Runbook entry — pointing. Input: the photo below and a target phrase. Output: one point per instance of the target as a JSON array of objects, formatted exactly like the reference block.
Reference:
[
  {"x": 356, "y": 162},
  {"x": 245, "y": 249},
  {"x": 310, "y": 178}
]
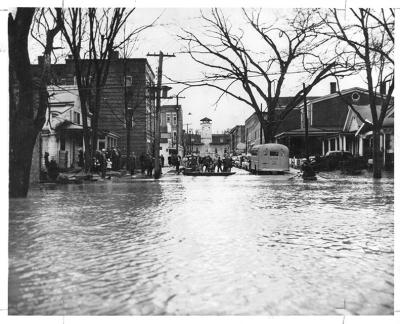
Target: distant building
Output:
[
  {"x": 171, "y": 128},
  {"x": 253, "y": 131},
  {"x": 210, "y": 144},
  {"x": 238, "y": 139}
]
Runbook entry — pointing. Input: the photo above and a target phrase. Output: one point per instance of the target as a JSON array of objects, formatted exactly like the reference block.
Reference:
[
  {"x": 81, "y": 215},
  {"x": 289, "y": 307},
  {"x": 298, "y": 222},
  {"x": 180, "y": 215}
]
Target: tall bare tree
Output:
[
  {"x": 366, "y": 44},
  {"x": 93, "y": 35},
  {"x": 262, "y": 64},
  {"x": 27, "y": 93}
]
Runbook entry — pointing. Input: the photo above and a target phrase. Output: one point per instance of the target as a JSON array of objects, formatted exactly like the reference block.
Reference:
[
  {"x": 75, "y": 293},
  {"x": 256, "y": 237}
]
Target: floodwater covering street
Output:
[{"x": 244, "y": 244}]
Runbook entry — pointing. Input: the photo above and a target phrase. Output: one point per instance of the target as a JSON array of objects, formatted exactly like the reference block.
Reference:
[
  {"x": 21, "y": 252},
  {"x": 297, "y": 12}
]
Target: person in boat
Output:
[
  {"x": 228, "y": 164},
  {"x": 201, "y": 163},
  {"x": 219, "y": 164},
  {"x": 308, "y": 171},
  {"x": 210, "y": 164}
]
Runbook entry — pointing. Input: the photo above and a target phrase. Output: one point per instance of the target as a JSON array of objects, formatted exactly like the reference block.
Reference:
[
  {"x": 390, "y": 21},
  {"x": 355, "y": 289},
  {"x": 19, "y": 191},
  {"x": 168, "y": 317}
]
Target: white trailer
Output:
[{"x": 269, "y": 158}]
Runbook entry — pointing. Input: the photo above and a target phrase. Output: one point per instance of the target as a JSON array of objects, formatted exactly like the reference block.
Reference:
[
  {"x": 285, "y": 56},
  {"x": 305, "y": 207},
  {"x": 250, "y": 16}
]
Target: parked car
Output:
[{"x": 333, "y": 159}]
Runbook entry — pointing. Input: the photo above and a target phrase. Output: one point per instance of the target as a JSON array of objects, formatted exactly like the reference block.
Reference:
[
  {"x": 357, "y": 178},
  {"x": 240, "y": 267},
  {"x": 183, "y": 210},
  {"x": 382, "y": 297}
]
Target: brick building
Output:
[{"x": 127, "y": 93}]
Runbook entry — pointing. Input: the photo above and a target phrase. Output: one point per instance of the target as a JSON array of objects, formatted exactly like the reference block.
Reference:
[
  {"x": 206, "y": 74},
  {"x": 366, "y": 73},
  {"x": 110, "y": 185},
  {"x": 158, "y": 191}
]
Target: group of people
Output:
[
  {"x": 147, "y": 163},
  {"x": 209, "y": 164},
  {"x": 106, "y": 159}
]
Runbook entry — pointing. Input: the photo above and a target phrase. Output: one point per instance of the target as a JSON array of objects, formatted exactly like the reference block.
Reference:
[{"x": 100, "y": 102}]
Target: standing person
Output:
[
  {"x": 46, "y": 159},
  {"x": 162, "y": 160},
  {"x": 142, "y": 161},
  {"x": 219, "y": 164},
  {"x": 113, "y": 158},
  {"x": 103, "y": 163},
  {"x": 224, "y": 164},
  {"x": 52, "y": 170},
  {"x": 132, "y": 163},
  {"x": 152, "y": 164},
  {"x": 80, "y": 158},
  {"x": 178, "y": 163},
  {"x": 118, "y": 158}
]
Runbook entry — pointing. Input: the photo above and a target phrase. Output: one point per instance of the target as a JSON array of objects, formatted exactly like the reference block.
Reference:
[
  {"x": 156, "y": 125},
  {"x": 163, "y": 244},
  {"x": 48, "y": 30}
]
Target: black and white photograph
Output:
[{"x": 216, "y": 159}]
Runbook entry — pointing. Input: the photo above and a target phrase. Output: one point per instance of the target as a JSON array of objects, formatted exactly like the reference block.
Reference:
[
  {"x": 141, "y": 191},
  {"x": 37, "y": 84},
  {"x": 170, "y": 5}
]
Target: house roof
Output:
[
  {"x": 365, "y": 112},
  {"x": 206, "y": 119},
  {"x": 343, "y": 92},
  {"x": 312, "y": 131}
]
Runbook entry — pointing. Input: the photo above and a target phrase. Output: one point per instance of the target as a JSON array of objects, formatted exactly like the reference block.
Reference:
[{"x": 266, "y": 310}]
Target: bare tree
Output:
[
  {"x": 262, "y": 70},
  {"x": 93, "y": 35},
  {"x": 27, "y": 93},
  {"x": 366, "y": 44}
]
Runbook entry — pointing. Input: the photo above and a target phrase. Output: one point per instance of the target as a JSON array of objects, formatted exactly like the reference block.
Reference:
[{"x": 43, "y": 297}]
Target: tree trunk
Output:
[
  {"x": 376, "y": 154},
  {"x": 23, "y": 136}
]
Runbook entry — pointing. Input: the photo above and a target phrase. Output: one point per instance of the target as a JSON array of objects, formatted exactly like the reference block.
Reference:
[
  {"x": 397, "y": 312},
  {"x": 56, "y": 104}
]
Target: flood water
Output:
[{"x": 244, "y": 244}]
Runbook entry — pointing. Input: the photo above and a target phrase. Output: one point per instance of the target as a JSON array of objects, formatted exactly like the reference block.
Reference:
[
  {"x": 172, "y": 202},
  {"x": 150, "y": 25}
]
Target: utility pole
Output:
[
  {"x": 261, "y": 124},
  {"x": 157, "y": 169},
  {"x": 305, "y": 120},
  {"x": 177, "y": 122},
  {"x": 187, "y": 136}
]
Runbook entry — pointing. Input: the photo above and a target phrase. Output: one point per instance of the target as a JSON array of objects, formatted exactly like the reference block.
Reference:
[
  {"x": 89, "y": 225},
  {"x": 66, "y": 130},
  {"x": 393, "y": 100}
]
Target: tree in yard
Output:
[
  {"x": 365, "y": 42},
  {"x": 259, "y": 58},
  {"x": 27, "y": 93}
]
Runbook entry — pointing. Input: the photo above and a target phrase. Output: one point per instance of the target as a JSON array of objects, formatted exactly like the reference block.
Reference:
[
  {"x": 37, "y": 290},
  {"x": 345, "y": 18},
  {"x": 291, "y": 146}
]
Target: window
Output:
[
  {"x": 175, "y": 119},
  {"x": 221, "y": 140},
  {"x": 168, "y": 118},
  {"x": 273, "y": 153},
  {"x": 128, "y": 80},
  {"x": 174, "y": 137},
  {"x": 77, "y": 118}
]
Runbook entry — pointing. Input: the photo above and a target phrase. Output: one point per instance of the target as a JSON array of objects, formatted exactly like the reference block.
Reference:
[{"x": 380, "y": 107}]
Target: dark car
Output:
[{"x": 334, "y": 159}]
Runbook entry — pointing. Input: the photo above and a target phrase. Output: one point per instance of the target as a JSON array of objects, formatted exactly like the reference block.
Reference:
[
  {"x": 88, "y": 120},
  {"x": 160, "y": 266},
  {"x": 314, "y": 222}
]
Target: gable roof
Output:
[
  {"x": 343, "y": 92},
  {"x": 365, "y": 112}
]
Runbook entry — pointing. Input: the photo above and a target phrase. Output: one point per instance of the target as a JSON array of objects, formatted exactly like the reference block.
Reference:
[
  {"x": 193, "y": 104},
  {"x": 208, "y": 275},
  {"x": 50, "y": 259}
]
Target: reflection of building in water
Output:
[{"x": 207, "y": 143}]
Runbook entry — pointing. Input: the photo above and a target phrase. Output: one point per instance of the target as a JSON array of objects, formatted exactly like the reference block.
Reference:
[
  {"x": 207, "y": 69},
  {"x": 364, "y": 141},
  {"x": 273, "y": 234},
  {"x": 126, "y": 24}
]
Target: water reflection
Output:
[{"x": 236, "y": 245}]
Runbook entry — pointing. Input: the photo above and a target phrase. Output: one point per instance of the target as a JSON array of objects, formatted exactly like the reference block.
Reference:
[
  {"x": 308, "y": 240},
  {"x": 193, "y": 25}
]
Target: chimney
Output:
[
  {"x": 383, "y": 88},
  {"x": 333, "y": 87}
]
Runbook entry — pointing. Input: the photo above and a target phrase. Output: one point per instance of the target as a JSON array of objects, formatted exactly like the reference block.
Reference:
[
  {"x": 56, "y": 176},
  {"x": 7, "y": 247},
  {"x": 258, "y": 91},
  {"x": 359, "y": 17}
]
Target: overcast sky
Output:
[{"x": 198, "y": 102}]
